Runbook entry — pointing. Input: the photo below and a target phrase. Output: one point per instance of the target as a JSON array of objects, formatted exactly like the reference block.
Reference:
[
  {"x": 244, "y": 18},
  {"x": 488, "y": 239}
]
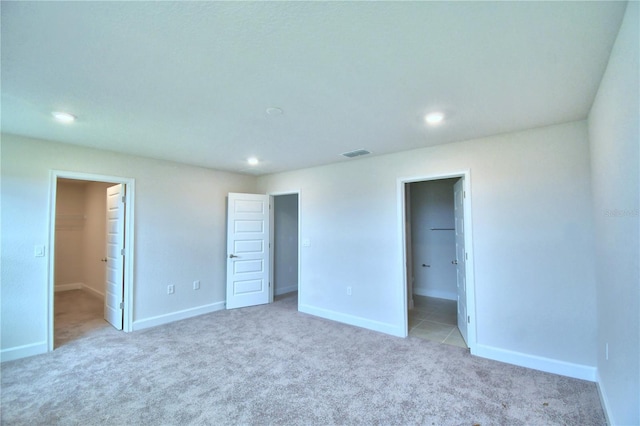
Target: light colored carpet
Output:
[{"x": 273, "y": 365}]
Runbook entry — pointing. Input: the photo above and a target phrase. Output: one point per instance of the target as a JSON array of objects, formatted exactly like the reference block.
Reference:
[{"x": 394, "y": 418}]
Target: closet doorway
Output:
[
  {"x": 437, "y": 242},
  {"x": 285, "y": 245},
  {"x": 91, "y": 235}
]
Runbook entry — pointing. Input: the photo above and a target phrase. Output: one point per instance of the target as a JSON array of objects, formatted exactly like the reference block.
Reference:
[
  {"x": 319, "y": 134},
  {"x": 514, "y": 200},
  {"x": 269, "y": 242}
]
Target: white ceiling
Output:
[{"x": 191, "y": 81}]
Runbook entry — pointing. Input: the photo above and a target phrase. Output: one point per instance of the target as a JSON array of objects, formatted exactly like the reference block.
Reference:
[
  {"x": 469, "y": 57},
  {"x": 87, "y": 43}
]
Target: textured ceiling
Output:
[{"x": 190, "y": 81}]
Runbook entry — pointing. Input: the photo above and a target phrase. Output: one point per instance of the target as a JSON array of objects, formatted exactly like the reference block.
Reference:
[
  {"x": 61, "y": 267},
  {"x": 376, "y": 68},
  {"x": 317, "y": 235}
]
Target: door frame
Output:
[
  {"x": 272, "y": 239},
  {"x": 129, "y": 184},
  {"x": 468, "y": 242}
]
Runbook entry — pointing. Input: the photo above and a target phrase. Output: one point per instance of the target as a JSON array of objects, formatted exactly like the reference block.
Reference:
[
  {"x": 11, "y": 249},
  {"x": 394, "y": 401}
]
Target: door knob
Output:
[
  {"x": 454, "y": 262},
  {"x": 231, "y": 256},
  {"x": 103, "y": 259}
]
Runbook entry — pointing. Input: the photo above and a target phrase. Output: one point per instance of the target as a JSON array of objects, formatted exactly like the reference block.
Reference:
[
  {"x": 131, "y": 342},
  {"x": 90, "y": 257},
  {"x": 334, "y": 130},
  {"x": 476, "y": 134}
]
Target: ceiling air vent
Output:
[{"x": 356, "y": 153}]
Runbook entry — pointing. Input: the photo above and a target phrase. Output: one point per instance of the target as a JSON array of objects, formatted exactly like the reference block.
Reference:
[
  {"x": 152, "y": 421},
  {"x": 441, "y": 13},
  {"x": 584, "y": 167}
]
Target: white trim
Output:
[
  {"x": 78, "y": 286},
  {"x": 298, "y": 192},
  {"x": 382, "y": 327},
  {"x": 438, "y": 294},
  {"x": 177, "y": 316},
  {"x": 92, "y": 291},
  {"x": 272, "y": 247},
  {"x": 129, "y": 183},
  {"x": 604, "y": 400},
  {"x": 278, "y": 193},
  {"x": 549, "y": 365},
  {"x": 23, "y": 351},
  {"x": 68, "y": 287},
  {"x": 468, "y": 242}
]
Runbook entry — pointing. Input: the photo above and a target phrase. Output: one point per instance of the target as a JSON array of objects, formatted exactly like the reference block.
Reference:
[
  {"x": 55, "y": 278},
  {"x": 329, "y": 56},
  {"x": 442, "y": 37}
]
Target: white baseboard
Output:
[
  {"x": 549, "y": 365},
  {"x": 353, "y": 320},
  {"x": 286, "y": 289},
  {"x": 604, "y": 400},
  {"x": 93, "y": 291},
  {"x": 177, "y": 316},
  {"x": 439, "y": 294},
  {"x": 23, "y": 351},
  {"x": 67, "y": 287}
]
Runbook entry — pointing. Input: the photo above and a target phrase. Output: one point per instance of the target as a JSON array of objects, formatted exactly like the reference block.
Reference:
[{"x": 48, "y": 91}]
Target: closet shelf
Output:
[{"x": 71, "y": 217}]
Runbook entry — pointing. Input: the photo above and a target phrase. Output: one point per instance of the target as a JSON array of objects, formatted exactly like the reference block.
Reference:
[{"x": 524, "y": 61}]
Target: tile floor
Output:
[{"x": 435, "y": 319}]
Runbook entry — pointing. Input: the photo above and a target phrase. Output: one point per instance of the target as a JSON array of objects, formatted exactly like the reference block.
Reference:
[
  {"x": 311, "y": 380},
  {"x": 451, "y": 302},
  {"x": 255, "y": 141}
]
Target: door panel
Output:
[
  {"x": 458, "y": 191},
  {"x": 247, "y": 266},
  {"x": 250, "y": 246},
  {"x": 114, "y": 280},
  {"x": 248, "y": 260},
  {"x": 249, "y": 286}
]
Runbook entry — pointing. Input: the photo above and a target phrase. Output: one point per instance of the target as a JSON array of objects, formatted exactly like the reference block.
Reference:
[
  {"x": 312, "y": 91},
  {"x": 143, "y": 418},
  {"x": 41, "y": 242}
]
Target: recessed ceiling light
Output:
[
  {"x": 434, "y": 118},
  {"x": 63, "y": 117},
  {"x": 356, "y": 153},
  {"x": 274, "y": 111},
  {"x": 253, "y": 161}
]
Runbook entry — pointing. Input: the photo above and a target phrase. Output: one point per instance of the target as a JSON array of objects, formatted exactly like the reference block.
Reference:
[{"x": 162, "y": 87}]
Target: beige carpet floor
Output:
[{"x": 271, "y": 364}]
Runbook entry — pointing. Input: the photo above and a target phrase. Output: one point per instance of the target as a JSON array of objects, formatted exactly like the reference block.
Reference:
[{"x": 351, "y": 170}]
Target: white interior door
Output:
[
  {"x": 114, "y": 285},
  {"x": 248, "y": 262},
  {"x": 458, "y": 191}
]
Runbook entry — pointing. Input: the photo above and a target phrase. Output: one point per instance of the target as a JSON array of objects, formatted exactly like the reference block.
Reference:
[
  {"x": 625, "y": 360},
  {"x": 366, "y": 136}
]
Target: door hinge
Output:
[
  {"x": 121, "y": 305},
  {"x": 121, "y": 252},
  {"x": 468, "y": 319},
  {"x": 466, "y": 256},
  {"x": 464, "y": 194},
  {"x": 124, "y": 199}
]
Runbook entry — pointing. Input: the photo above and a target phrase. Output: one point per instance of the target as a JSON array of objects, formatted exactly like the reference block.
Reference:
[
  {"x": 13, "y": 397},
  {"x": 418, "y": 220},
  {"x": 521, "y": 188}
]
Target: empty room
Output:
[{"x": 320, "y": 213}]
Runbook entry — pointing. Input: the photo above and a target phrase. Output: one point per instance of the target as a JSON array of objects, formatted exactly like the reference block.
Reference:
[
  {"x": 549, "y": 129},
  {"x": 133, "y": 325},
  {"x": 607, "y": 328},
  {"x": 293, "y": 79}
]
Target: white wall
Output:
[
  {"x": 432, "y": 207},
  {"x": 535, "y": 290},
  {"x": 531, "y": 219},
  {"x": 285, "y": 243},
  {"x": 179, "y": 237},
  {"x": 614, "y": 140}
]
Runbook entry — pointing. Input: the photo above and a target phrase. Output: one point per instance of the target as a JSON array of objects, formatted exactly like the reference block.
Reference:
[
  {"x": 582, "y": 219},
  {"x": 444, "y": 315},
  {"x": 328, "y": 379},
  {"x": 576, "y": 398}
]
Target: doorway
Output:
[
  {"x": 257, "y": 274},
  {"x": 285, "y": 245},
  {"x": 437, "y": 254},
  {"x": 79, "y": 289}
]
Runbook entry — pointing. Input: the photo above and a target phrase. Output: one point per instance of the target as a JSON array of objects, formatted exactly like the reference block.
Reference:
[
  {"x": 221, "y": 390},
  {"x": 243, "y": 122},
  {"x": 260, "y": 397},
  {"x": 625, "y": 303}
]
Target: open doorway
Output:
[
  {"x": 285, "y": 246},
  {"x": 91, "y": 235},
  {"x": 80, "y": 258},
  {"x": 437, "y": 242},
  {"x": 256, "y": 274}
]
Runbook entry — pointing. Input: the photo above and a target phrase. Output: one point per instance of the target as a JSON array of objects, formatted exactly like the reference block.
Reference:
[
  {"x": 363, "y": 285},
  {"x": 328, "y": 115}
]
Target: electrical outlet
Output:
[
  {"x": 349, "y": 291},
  {"x": 171, "y": 289},
  {"x": 196, "y": 285}
]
